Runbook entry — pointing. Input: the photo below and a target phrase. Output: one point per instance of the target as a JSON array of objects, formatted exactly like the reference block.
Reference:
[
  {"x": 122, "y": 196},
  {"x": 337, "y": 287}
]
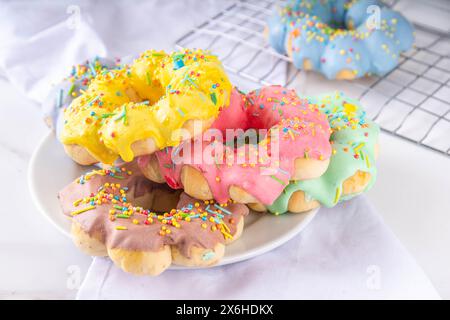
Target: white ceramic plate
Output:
[{"x": 51, "y": 169}]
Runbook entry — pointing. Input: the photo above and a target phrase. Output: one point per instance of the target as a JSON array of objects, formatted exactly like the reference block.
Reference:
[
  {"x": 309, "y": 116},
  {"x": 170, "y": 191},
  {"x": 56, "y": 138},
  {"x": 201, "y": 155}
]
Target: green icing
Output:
[{"x": 353, "y": 141}]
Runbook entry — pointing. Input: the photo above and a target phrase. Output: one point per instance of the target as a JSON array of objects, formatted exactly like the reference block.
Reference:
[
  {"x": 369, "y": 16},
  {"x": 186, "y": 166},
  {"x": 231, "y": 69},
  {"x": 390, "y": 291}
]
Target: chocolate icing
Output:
[{"x": 138, "y": 235}]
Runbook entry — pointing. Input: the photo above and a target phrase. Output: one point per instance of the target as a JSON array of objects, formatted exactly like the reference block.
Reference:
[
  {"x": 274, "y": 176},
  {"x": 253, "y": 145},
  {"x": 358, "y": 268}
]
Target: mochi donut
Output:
[
  {"x": 144, "y": 227},
  {"x": 63, "y": 93},
  {"x": 303, "y": 150},
  {"x": 141, "y": 107},
  {"x": 352, "y": 167},
  {"x": 340, "y": 38}
]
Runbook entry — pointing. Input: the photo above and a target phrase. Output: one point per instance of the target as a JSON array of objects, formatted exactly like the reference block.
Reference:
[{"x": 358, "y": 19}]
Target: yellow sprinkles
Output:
[{"x": 77, "y": 212}]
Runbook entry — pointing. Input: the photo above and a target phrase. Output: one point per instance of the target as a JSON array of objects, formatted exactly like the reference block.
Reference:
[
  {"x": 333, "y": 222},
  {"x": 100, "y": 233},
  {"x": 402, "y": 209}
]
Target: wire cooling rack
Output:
[{"x": 411, "y": 102}]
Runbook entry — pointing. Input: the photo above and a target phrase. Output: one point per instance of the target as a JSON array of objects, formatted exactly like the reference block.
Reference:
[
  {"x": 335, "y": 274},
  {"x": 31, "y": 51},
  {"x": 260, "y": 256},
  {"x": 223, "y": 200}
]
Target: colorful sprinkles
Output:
[
  {"x": 317, "y": 39},
  {"x": 115, "y": 195}
]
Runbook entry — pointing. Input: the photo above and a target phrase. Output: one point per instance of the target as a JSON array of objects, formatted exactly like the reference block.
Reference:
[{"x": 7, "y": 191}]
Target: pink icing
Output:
[
  {"x": 304, "y": 130},
  {"x": 142, "y": 236}
]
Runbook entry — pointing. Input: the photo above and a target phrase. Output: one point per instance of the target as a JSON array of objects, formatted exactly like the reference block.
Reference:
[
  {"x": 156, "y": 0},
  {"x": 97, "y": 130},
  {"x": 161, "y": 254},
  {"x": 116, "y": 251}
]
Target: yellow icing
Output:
[{"x": 151, "y": 98}]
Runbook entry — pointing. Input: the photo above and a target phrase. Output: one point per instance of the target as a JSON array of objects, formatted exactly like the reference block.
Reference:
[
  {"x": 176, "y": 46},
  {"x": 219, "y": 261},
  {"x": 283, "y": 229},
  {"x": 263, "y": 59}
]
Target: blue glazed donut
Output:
[
  {"x": 62, "y": 94},
  {"x": 343, "y": 39}
]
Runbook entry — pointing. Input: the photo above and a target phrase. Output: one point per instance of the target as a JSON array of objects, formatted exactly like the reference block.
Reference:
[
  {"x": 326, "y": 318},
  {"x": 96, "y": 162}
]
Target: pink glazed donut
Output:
[{"x": 290, "y": 142}]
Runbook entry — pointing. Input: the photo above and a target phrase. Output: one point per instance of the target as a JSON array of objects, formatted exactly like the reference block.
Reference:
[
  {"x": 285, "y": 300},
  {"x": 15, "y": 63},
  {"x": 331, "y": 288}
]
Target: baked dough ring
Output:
[{"x": 339, "y": 38}]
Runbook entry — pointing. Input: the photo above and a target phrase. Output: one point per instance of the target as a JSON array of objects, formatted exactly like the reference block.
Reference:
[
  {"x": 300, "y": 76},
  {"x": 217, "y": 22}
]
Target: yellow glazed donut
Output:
[
  {"x": 144, "y": 227},
  {"x": 140, "y": 108}
]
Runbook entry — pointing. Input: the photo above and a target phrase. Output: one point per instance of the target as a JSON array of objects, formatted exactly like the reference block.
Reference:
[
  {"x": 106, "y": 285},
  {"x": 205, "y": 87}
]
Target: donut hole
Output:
[
  {"x": 250, "y": 131},
  {"x": 339, "y": 26},
  {"x": 157, "y": 198},
  {"x": 165, "y": 200}
]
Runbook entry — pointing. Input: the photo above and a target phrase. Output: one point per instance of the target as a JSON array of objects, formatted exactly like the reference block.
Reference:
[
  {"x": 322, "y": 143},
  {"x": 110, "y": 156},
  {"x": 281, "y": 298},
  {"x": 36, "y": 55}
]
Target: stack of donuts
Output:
[{"x": 181, "y": 155}]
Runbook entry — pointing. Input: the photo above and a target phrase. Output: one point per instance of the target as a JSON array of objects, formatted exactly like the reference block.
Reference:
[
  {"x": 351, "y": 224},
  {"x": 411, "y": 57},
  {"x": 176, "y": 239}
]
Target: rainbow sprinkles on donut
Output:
[
  {"x": 112, "y": 215},
  {"x": 342, "y": 39}
]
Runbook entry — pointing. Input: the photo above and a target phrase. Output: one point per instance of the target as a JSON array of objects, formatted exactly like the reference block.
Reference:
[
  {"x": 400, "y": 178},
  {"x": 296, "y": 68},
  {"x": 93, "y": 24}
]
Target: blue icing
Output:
[
  {"x": 309, "y": 43},
  {"x": 385, "y": 59},
  {"x": 282, "y": 17},
  {"x": 60, "y": 96},
  {"x": 319, "y": 8},
  {"x": 277, "y": 32},
  {"x": 384, "y": 50},
  {"x": 338, "y": 12},
  {"x": 319, "y": 32},
  {"x": 403, "y": 31}
]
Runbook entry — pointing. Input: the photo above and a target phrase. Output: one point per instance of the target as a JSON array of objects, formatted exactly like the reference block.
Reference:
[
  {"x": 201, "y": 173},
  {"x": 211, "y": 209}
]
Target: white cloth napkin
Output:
[
  {"x": 345, "y": 253},
  {"x": 41, "y": 41},
  {"x": 41, "y": 49}
]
